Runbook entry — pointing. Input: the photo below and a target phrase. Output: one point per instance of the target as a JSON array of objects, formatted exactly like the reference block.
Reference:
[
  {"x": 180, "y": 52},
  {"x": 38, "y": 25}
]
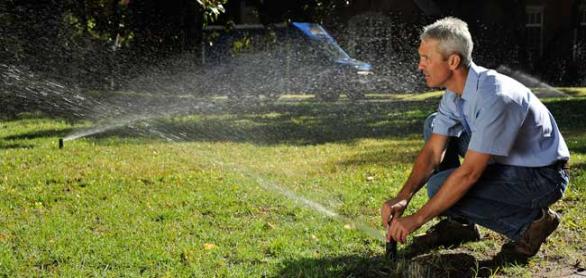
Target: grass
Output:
[{"x": 211, "y": 203}]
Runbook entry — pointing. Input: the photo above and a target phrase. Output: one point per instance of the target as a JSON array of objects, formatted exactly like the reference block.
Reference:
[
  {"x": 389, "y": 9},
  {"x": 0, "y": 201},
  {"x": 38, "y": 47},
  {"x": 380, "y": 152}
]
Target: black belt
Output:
[{"x": 560, "y": 164}]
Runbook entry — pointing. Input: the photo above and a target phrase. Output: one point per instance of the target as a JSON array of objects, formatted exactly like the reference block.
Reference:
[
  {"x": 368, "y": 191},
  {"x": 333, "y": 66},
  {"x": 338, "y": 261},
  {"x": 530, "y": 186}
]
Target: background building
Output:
[{"x": 546, "y": 38}]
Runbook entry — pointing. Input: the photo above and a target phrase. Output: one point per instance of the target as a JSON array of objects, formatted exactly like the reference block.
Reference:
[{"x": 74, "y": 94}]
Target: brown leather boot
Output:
[
  {"x": 532, "y": 238},
  {"x": 447, "y": 232}
]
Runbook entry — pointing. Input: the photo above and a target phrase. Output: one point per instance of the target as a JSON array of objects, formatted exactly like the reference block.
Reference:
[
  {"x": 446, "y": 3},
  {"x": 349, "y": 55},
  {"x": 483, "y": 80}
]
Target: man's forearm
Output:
[
  {"x": 422, "y": 170},
  {"x": 455, "y": 186}
]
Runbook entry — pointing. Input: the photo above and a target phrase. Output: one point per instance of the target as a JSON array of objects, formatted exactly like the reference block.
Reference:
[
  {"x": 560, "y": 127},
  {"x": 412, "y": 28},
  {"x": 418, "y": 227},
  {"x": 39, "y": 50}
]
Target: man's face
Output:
[{"x": 433, "y": 65}]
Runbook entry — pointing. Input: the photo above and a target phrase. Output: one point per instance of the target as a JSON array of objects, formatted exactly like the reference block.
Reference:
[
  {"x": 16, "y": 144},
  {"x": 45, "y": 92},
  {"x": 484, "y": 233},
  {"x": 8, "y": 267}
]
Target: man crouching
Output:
[{"x": 515, "y": 158}]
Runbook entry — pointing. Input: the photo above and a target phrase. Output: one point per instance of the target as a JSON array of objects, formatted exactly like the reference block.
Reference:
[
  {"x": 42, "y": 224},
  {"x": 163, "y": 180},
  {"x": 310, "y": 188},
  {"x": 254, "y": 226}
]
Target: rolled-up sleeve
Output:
[
  {"x": 497, "y": 126},
  {"x": 446, "y": 122}
]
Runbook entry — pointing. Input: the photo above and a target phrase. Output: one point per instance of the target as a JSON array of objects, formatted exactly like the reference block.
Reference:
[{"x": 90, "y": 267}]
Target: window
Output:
[{"x": 534, "y": 31}]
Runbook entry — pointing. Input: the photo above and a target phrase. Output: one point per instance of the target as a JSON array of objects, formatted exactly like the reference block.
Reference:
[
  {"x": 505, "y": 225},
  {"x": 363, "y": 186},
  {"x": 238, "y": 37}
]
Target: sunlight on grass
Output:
[
  {"x": 127, "y": 203},
  {"x": 575, "y": 92}
]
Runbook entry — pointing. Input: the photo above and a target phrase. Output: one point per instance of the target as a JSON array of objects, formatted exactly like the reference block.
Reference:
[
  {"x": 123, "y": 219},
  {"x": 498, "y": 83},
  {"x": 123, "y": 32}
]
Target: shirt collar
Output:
[{"x": 471, "y": 85}]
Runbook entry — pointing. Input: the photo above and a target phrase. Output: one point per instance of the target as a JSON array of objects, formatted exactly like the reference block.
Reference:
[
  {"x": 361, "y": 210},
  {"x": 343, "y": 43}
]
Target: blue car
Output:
[
  {"x": 302, "y": 58},
  {"x": 348, "y": 75}
]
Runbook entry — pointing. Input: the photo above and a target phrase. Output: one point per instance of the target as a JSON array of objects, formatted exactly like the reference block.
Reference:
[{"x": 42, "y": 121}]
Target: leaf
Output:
[{"x": 209, "y": 246}]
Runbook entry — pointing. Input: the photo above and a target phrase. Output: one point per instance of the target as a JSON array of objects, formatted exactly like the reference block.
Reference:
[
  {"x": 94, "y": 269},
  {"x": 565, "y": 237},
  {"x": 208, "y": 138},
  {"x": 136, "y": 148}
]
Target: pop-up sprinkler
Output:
[
  {"x": 391, "y": 250},
  {"x": 61, "y": 143},
  {"x": 391, "y": 247}
]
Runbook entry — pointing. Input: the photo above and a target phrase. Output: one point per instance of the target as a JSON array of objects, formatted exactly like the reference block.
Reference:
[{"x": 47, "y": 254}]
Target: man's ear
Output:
[{"x": 454, "y": 61}]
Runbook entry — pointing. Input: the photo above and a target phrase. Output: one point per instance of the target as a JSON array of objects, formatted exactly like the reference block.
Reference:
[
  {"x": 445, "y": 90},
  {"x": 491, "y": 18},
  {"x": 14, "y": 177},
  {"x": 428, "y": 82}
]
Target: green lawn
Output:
[{"x": 286, "y": 189}]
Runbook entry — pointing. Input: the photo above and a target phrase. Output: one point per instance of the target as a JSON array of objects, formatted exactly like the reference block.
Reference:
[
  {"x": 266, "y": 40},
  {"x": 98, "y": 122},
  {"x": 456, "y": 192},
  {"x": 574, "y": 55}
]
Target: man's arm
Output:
[
  {"x": 453, "y": 189},
  {"x": 427, "y": 160}
]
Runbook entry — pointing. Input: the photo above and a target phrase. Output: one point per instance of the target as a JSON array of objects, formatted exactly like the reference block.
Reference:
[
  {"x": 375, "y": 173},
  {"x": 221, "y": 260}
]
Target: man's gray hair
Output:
[{"x": 453, "y": 37}]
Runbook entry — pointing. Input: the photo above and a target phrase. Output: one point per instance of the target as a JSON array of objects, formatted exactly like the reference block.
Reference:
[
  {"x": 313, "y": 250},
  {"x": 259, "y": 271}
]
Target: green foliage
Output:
[
  {"x": 241, "y": 44},
  {"x": 212, "y": 9}
]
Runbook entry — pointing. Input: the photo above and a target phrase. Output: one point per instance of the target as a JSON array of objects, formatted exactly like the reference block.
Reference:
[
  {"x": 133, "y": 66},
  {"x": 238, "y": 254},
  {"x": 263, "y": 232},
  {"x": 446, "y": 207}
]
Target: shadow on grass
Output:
[
  {"x": 289, "y": 123},
  {"x": 578, "y": 149},
  {"x": 300, "y": 122},
  {"x": 569, "y": 113},
  {"x": 402, "y": 152},
  {"x": 310, "y": 122},
  {"x": 40, "y": 134},
  {"x": 454, "y": 264},
  {"x": 344, "y": 266},
  {"x": 15, "y": 146},
  {"x": 577, "y": 169}
]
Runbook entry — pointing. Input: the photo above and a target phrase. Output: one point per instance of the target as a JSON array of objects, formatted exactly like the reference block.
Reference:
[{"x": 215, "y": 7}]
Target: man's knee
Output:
[
  {"x": 428, "y": 126},
  {"x": 432, "y": 188},
  {"x": 436, "y": 181}
]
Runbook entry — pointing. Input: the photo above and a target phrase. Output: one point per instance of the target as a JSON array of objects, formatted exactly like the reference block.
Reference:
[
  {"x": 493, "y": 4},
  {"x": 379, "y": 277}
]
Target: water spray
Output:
[
  {"x": 539, "y": 88},
  {"x": 307, "y": 203}
]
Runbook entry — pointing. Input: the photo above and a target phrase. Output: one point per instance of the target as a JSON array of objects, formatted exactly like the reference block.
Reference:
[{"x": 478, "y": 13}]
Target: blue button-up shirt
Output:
[{"x": 504, "y": 118}]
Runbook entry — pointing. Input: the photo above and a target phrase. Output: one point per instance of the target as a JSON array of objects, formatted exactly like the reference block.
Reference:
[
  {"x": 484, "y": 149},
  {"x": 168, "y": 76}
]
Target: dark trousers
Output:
[{"x": 506, "y": 199}]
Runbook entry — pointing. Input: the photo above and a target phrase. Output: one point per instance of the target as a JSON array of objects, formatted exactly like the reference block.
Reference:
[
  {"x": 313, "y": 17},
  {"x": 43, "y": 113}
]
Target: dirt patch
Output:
[
  {"x": 446, "y": 263},
  {"x": 465, "y": 263}
]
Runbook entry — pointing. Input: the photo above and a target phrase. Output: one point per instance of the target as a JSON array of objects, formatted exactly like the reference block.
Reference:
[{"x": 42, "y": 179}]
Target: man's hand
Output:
[
  {"x": 392, "y": 208},
  {"x": 401, "y": 227}
]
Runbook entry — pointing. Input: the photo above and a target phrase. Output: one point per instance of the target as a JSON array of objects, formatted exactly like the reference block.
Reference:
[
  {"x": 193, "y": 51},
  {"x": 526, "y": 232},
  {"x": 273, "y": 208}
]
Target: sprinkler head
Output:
[
  {"x": 61, "y": 143},
  {"x": 391, "y": 251}
]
